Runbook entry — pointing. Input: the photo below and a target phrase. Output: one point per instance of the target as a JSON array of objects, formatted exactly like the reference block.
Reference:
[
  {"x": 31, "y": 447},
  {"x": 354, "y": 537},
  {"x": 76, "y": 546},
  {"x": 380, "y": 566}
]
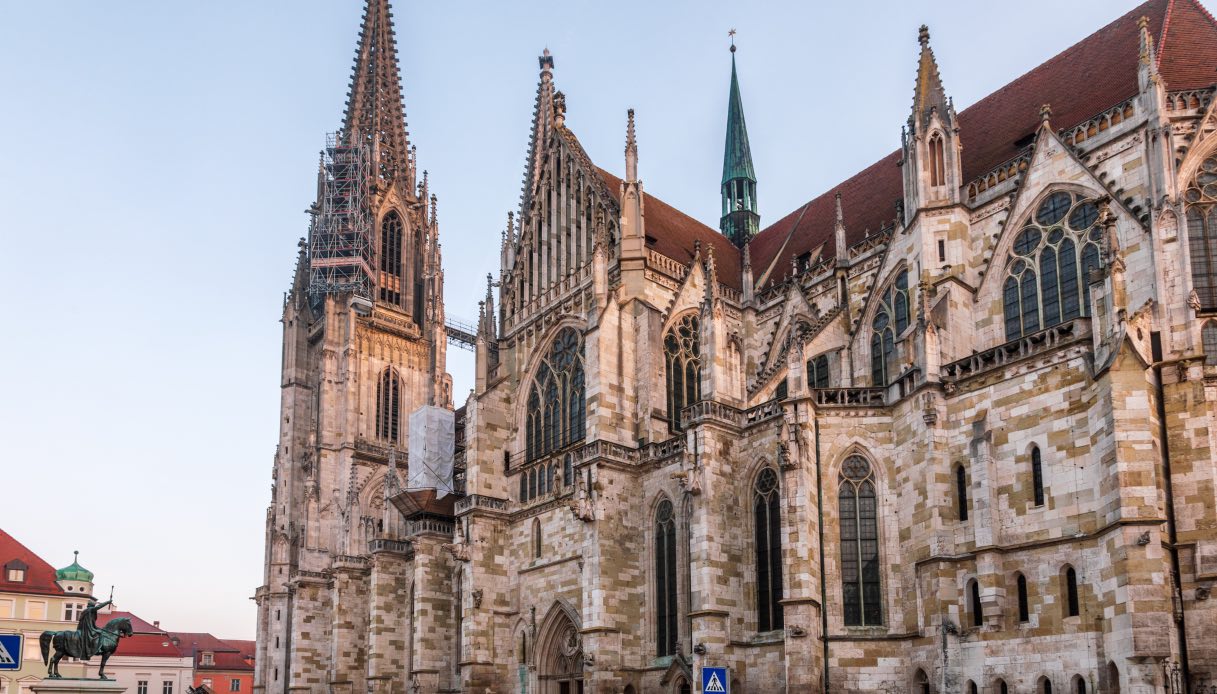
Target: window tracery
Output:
[
  {"x": 665, "y": 580},
  {"x": 682, "y": 357},
  {"x": 1201, "y": 199},
  {"x": 557, "y": 408},
  {"x": 1046, "y": 280},
  {"x": 390, "y": 258},
  {"x": 817, "y": 372},
  {"x": 890, "y": 321},
  {"x": 388, "y": 406},
  {"x": 858, "y": 509},
  {"x": 767, "y": 522}
]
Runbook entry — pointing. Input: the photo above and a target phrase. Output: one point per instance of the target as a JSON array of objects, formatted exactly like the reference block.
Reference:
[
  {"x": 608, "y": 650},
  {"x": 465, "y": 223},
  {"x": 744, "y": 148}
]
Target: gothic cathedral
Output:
[{"x": 948, "y": 427}]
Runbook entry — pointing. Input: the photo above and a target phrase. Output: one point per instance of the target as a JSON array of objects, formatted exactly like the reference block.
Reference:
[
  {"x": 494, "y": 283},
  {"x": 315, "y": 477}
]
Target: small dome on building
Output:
[{"x": 75, "y": 572}]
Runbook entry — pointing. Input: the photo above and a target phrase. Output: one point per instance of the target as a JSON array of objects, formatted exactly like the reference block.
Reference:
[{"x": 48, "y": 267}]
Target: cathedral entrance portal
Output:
[{"x": 560, "y": 654}]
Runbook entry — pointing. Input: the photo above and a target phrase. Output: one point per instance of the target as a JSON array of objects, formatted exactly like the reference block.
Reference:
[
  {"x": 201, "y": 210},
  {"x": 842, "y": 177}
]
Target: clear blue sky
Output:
[{"x": 160, "y": 156}]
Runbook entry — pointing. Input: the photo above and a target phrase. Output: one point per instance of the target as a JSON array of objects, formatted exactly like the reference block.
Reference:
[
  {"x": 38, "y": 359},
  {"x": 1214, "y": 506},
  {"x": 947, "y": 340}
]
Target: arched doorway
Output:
[{"x": 559, "y": 652}]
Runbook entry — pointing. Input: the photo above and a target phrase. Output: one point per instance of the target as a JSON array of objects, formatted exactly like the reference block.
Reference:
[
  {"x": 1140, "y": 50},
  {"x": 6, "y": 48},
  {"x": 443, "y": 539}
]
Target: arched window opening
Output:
[
  {"x": 921, "y": 682},
  {"x": 682, "y": 357},
  {"x": 1024, "y": 606},
  {"x": 665, "y": 580},
  {"x": 767, "y": 523},
  {"x": 961, "y": 492},
  {"x": 972, "y": 687},
  {"x": 1044, "y": 686},
  {"x": 1037, "y": 476},
  {"x": 523, "y": 487},
  {"x": 388, "y": 406},
  {"x": 556, "y": 410},
  {"x": 1071, "y": 593},
  {"x": 1201, "y": 198},
  {"x": 1079, "y": 684},
  {"x": 1113, "y": 678},
  {"x": 536, "y": 538},
  {"x": 891, "y": 319},
  {"x": 974, "y": 606},
  {"x": 390, "y": 258},
  {"x": 1000, "y": 687},
  {"x": 858, "y": 509},
  {"x": 568, "y": 470},
  {"x": 419, "y": 286},
  {"x": 937, "y": 165},
  {"x": 817, "y": 372},
  {"x": 1046, "y": 281},
  {"x": 1208, "y": 338}
]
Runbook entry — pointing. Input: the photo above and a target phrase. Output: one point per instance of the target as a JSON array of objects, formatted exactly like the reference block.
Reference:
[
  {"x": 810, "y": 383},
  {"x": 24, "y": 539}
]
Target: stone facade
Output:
[{"x": 978, "y": 488}]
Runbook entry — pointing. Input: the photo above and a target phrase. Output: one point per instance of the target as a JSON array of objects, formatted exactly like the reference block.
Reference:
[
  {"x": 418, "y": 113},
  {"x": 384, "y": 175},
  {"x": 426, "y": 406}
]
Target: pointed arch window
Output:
[
  {"x": 817, "y": 372},
  {"x": 767, "y": 522},
  {"x": 1037, "y": 476},
  {"x": 974, "y": 606},
  {"x": 388, "y": 406},
  {"x": 419, "y": 286},
  {"x": 961, "y": 492},
  {"x": 390, "y": 258},
  {"x": 682, "y": 357},
  {"x": 937, "y": 166},
  {"x": 1072, "y": 607},
  {"x": 536, "y": 538},
  {"x": 1024, "y": 606},
  {"x": 890, "y": 321},
  {"x": 1201, "y": 198},
  {"x": 858, "y": 508},
  {"x": 1046, "y": 281},
  {"x": 1208, "y": 338},
  {"x": 557, "y": 408},
  {"x": 665, "y": 580}
]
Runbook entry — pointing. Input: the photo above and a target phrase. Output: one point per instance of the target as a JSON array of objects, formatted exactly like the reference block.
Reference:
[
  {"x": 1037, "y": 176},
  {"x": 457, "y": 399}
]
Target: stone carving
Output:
[
  {"x": 458, "y": 550},
  {"x": 477, "y": 597}
]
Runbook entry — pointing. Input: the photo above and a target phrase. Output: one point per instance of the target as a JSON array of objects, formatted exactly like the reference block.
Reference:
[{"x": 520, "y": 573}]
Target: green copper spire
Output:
[
  {"x": 740, "y": 221},
  {"x": 737, "y": 156}
]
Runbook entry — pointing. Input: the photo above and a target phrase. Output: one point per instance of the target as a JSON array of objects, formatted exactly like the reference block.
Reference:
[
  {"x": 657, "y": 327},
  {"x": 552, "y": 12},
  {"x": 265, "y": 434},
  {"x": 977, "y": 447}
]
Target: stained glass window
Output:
[
  {"x": 557, "y": 401},
  {"x": 817, "y": 372},
  {"x": 1047, "y": 279},
  {"x": 859, "y": 544},
  {"x": 891, "y": 319},
  {"x": 682, "y": 357},
  {"x": 768, "y": 526},
  {"x": 665, "y": 579},
  {"x": 1201, "y": 197}
]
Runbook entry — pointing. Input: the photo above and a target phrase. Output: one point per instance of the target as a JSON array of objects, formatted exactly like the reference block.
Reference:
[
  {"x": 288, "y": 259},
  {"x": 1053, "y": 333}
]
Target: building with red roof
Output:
[
  {"x": 220, "y": 665},
  {"x": 948, "y": 426},
  {"x": 35, "y": 597}
]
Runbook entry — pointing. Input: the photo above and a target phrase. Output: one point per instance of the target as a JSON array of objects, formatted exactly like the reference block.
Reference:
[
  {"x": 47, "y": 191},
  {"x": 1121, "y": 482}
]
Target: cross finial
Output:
[{"x": 731, "y": 35}]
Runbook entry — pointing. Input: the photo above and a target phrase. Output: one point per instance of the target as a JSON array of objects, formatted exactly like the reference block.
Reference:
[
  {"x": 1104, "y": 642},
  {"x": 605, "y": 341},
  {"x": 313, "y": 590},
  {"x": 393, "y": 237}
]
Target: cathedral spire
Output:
[
  {"x": 929, "y": 95},
  {"x": 740, "y": 221},
  {"x": 374, "y": 112}
]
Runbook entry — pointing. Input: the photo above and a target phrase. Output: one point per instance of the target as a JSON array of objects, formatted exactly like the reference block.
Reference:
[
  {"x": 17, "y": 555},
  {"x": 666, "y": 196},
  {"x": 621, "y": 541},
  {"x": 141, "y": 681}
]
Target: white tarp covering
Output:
[{"x": 432, "y": 447}]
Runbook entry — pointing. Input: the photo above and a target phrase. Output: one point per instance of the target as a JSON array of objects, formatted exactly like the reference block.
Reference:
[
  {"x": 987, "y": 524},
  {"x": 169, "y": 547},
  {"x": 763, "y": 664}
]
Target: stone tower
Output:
[
  {"x": 740, "y": 221},
  {"x": 363, "y": 347}
]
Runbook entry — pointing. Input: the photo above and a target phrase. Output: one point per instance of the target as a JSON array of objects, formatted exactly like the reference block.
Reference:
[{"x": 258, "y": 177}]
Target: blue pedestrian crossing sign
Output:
[
  {"x": 10, "y": 651},
  {"x": 714, "y": 679}
]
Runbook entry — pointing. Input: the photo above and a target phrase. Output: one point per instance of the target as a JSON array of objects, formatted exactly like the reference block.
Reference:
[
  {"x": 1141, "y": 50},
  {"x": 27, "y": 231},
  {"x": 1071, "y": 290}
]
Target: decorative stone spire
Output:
[
  {"x": 1147, "y": 67},
  {"x": 929, "y": 96},
  {"x": 375, "y": 116},
  {"x": 631, "y": 149},
  {"x": 842, "y": 247},
  {"x": 740, "y": 221}
]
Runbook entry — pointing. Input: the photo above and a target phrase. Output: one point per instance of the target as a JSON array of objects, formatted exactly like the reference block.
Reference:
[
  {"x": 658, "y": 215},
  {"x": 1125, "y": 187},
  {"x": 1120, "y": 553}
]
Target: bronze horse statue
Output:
[{"x": 71, "y": 644}]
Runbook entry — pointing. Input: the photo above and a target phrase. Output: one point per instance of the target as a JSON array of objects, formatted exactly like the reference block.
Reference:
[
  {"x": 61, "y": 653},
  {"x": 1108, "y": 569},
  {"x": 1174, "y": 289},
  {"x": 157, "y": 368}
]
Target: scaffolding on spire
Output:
[{"x": 341, "y": 246}]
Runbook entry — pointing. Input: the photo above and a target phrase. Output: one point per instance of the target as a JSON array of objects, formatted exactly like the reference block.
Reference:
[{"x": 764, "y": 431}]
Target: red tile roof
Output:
[
  {"x": 1086, "y": 79},
  {"x": 675, "y": 232},
  {"x": 149, "y": 641},
  {"x": 39, "y": 575},
  {"x": 192, "y": 642},
  {"x": 227, "y": 661}
]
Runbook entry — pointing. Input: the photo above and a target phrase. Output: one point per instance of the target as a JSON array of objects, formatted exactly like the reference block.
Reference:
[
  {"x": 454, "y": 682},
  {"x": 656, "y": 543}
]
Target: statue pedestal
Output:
[{"x": 67, "y": 686}]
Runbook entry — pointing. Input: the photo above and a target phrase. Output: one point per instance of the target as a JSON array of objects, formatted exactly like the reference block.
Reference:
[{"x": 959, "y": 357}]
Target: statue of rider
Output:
[{"x": 90, "y": 634}]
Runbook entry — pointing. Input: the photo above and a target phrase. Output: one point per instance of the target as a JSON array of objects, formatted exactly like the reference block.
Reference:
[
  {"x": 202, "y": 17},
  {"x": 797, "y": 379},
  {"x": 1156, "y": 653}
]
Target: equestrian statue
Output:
[{"x": 86, "y": 641}]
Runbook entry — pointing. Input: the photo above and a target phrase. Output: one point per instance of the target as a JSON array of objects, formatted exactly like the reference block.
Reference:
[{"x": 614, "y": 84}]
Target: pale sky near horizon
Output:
[{"x": 161, "y": 156}]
